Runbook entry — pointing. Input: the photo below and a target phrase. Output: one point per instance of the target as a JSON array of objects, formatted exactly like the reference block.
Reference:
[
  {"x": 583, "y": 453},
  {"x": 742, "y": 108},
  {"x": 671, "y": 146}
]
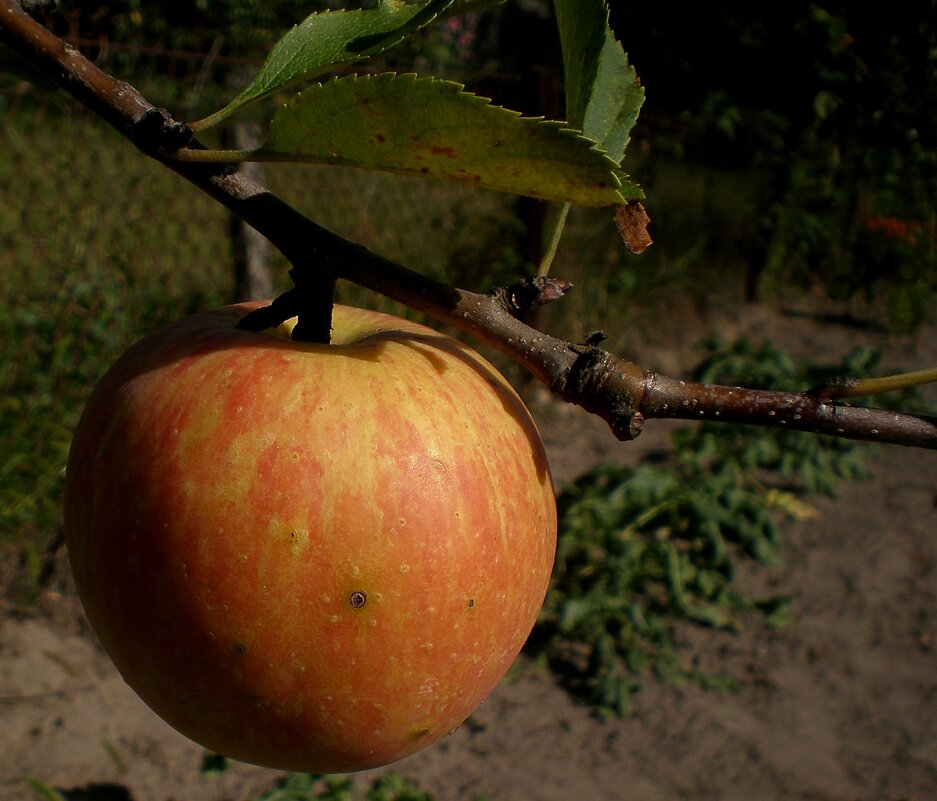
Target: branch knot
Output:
[
  {"x": 155, "y": 132},
  {"x": 591, "y": 382},
  {"x": 522, "y": 297}
]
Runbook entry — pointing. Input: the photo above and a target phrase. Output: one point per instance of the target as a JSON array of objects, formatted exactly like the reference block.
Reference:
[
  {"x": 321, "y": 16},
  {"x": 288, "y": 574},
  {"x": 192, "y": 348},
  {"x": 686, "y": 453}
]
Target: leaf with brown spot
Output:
[{"x": 430, "y": 127}]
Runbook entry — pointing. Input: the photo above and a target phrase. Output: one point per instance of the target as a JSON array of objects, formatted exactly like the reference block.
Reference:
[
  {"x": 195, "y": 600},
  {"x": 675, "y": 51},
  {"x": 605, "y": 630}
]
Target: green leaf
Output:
[
  {"x": 299, "y": 787},
  {"x": 429, "y": 127},
  {"x": 327, "y": 40},
  {"x": 574, "y": 612},
  {"x": 674, "y": 573},
  {"x": 43, "y": 789},
  {"x": 603, "y": 94},
  {"x": 392, "y": 787},
  {"x": 711, "y": 615}
]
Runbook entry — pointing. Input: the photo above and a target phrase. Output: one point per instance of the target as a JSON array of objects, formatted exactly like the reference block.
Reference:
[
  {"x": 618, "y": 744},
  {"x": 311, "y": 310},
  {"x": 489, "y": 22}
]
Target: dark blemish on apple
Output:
[
  {"x": 471, "y": 603},
  {"x": 240, "y": 649},
  {"x": 421, "y": 732},
  {"x": 358, "y": 599}
]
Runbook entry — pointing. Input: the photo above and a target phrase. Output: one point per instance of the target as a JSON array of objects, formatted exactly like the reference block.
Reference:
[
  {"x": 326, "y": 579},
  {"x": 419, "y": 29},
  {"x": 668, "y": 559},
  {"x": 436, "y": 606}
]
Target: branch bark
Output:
[{"x": 619, "y": 391}]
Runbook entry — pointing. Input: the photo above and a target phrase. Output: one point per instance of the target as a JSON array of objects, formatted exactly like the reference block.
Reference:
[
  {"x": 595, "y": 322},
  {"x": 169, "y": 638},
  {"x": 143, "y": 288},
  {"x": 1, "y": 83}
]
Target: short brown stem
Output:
[{"x": 316, "y": 296}]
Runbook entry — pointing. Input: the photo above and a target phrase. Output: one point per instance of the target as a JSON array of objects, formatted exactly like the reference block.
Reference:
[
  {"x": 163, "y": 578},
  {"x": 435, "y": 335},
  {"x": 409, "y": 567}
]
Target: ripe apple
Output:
[{"x": 311, "y": 557}]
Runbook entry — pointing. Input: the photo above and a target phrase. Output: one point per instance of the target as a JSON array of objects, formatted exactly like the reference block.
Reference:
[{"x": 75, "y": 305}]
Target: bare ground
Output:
[{"x": 841, "y": 706}]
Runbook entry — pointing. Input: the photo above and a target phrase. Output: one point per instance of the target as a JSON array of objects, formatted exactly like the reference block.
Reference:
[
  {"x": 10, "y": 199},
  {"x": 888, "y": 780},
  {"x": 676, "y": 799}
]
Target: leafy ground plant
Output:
[
  {"x": 297, "y": 786},
  {"x": 644, "y": 548},
  {"x": 311, "y": 787},
  {"x": 306, "y": 787},
  {"x": 329, "y": 787}
]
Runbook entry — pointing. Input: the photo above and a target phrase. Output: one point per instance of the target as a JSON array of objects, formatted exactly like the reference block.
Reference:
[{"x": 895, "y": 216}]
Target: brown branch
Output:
[
  {"x": 619, "y": 391},
  {"x": 800, "y": 411}
]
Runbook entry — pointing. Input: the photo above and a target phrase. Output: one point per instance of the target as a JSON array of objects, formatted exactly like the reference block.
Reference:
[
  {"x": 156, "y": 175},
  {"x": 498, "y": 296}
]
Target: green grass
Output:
[{"x": 97, "y": 246}]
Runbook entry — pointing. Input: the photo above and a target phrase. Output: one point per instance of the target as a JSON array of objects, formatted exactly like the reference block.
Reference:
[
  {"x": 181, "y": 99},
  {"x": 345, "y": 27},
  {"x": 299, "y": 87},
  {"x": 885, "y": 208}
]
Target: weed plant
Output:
[
  {"x": 329, "y": 787},
  {"x": 642, "y": 549},
  {"x": 304, "y": 787},
  {"x": 311, "y": 787}
]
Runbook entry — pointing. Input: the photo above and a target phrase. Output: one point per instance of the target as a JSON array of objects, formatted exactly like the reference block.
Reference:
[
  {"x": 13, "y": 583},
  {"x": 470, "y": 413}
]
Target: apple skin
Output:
[{"x": 310, "y": 557}]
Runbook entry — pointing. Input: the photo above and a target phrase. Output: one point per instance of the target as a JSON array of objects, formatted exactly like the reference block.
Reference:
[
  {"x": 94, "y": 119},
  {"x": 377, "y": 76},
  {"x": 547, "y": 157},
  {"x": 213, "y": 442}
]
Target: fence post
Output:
[{"x": 250, "y": 250}]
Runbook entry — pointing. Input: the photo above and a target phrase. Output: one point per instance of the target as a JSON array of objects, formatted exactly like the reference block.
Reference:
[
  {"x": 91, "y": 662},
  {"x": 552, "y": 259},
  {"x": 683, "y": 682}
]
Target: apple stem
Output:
[
  {"x": 316, "y": 295},
  {"x": 310, "y": 301}
]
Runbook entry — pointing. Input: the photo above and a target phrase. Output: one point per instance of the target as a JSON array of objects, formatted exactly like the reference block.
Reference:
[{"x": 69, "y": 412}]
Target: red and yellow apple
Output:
[{"x": 310, "y": 557}]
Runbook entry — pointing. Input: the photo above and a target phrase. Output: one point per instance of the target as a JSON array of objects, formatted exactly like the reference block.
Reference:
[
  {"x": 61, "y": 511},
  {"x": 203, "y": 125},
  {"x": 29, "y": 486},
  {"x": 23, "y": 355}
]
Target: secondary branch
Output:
[{"x": 619, "y": 391}]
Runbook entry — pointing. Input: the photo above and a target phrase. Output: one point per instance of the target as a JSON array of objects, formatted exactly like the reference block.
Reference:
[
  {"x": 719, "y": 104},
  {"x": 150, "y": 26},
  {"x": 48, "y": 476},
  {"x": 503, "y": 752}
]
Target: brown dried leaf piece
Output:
[{"x": 632, "y": 221}]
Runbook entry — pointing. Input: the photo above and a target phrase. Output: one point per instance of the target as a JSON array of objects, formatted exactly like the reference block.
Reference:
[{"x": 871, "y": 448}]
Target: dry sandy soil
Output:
[{"x": 842, "y": 706}]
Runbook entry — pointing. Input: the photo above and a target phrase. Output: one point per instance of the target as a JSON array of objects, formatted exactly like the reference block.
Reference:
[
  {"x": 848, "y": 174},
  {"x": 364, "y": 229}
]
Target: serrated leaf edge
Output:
[
  {"x": 619, "y": 176},
  {"x": 247, "y": 97}
]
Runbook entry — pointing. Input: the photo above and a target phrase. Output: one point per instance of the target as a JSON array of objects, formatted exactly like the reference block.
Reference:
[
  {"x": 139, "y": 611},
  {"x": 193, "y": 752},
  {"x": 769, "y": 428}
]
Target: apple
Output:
[{"x": 311, "y": 557}]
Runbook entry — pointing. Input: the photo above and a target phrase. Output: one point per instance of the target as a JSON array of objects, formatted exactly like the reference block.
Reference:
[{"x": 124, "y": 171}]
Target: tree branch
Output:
[{"x": 617, "y": 390}]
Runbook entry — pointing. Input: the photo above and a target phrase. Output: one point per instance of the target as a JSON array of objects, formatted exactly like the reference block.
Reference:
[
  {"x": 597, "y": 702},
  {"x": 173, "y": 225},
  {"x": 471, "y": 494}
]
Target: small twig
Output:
[
  {"x": 801, "y": 411},
  {"x": 216, "y": 156},
  {"x": 862, "y": 387},
  {"x": 528, "y": 294},
  {"x": 556, "y": 233}
]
